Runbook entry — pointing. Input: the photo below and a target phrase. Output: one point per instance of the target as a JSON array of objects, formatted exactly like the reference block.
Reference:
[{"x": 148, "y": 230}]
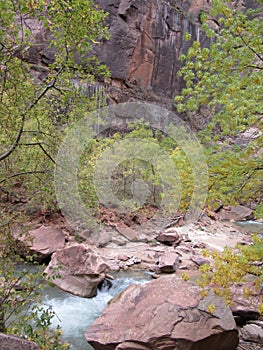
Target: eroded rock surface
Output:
[
  {"x": 166, "y": 313},
  {"x": 146, "y": 42},
  {"x": 12, "y": 342},
  {"x": 236, "y": 213},
  {"x": 41, "y": 242},
  {"x": 80, "y": 268}
]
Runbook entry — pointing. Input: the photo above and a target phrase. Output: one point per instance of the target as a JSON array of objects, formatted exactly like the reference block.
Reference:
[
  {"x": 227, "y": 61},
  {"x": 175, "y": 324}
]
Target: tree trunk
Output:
[{"x": 2, "y": 319}]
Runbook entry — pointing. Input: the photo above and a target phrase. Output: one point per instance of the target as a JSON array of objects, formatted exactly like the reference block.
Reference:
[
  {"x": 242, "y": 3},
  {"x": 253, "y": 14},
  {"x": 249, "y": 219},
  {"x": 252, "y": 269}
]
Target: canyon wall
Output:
[
  {"x": 142, "y": 54},
  {"x": 147, "y": 38}
]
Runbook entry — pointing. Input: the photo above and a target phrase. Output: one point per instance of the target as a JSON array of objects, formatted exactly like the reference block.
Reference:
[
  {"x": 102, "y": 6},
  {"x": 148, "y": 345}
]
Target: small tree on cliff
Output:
[
  {"x": 40, "y": 95},
  {"x": 225, "y": 82}
]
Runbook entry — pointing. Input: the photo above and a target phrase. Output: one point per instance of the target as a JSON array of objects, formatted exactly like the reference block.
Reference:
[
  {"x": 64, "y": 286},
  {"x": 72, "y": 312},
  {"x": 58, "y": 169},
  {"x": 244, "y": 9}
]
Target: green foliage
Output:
[
  {"x": 21, "y": 288},
  {"x": 235, "y": 176},
  {"x": 258, "y": 213},
  {"x": 37, "y": 103},
  {"x": 35, "y": 326},
  {"x": 34, "y": 112},
  {"x": 229, "y": 72},
  {"x": 107, "y": 151},
  {"x": 234, "y": 266},
  {"x": 225, "y": 81},
  {"x": 224, "y": 84}
]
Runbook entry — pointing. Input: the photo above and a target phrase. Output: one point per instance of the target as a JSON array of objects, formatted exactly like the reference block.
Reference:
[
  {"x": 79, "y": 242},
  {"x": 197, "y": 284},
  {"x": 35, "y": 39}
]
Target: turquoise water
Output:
[
  {"x": 75, "y": 314},
  {"x": 250, "y": 226}
]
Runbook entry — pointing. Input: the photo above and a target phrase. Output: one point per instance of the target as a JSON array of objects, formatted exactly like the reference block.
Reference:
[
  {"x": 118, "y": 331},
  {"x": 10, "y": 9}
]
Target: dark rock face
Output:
[
  {"x": 147, "y": 38},
  {"x": 12, "y": 342},
  {"x": 164, "y": 314}
]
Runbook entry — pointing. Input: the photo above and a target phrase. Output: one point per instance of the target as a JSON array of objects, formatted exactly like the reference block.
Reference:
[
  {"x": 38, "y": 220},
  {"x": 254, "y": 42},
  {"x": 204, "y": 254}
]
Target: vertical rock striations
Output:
[{"x": 147, "y": 38}]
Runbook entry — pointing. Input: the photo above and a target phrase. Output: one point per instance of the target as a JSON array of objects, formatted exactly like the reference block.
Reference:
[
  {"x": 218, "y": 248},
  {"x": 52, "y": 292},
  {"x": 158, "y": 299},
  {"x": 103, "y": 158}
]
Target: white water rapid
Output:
[{"x": 75, "y": 314}]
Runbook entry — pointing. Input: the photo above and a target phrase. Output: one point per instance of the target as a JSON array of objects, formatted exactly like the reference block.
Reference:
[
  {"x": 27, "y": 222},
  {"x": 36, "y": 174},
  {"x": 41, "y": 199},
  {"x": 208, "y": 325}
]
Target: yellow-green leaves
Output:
[
  {"x": 232, "y": 266},
  {"x": 34, "y": 112},
  {"x": 37, "y": 102},
  {"x": 224, "y": 83}
]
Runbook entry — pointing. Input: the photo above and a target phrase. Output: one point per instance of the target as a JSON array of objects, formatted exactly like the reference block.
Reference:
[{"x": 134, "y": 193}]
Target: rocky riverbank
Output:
[{"x": 88, "y": 258}]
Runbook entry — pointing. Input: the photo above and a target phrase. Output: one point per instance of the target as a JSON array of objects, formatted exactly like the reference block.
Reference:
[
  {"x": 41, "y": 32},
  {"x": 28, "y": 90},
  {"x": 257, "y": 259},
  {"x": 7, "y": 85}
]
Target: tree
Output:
[
  {"x": 35, "y": 109},
  {"x": 231, "y": 267},
  {"x": 225, "y": 82}
]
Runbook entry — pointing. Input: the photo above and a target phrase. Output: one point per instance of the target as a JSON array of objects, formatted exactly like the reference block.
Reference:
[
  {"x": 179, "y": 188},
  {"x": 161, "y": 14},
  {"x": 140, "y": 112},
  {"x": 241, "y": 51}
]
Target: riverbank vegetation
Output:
[
  {"x": 223, "y": 85},
  {"x": 37, "y": 102}
]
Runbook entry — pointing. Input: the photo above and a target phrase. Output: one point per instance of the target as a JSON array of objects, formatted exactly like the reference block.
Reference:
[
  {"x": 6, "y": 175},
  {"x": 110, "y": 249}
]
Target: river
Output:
[{"x": 75, "y": 314}]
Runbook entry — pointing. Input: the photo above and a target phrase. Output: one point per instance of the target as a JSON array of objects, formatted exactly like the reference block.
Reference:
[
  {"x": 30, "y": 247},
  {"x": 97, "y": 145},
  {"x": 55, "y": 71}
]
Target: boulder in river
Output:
[
  {"x": 41, "y": 242},
  {"x": 167, "y": 313},
  {"x": 78, "y": 269}
]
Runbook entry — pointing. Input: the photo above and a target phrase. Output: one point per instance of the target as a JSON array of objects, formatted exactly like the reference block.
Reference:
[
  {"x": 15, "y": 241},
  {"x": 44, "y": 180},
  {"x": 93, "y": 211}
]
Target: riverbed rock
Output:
[
  {"x": 168, "y": 262},
  {"x": 127, "y": 232},
  {"x": 252, "y": 333},
  {"x": 246, "y": 305},
  {"x": 80, "y": 268},
  {"x": 236, "y": 213},
  {"x": 169, "y": 238},
  {"x": 199, "y": 260},
  {"x": 13, "y": 342},
  {"x": 41, "y": 242},
  {"x": 167, "y": 313}
]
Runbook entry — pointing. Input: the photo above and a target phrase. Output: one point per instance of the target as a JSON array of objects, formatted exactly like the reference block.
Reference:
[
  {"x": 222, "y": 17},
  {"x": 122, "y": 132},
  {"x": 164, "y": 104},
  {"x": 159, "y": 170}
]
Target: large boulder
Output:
[
  {"x": 169, "y": 237},
  {"x": 246, "y": 298},
  {"x": 168, "y": 261},
  {"x": 78, "y": 269},
  {"x": 41, "y": 242},
  {"x": 236, "y": 213},
  {"x": 13, "y": 342},
  {"x": 167, "y": 313}
]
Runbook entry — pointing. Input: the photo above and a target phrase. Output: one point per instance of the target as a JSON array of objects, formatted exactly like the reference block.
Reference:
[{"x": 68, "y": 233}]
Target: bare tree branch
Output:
[
  {"x": 24, "y": 173},
  {"x": 16, "y": 142},
  {"x": 42, "y": 148},
  {"x": 23, "y": 118}
]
